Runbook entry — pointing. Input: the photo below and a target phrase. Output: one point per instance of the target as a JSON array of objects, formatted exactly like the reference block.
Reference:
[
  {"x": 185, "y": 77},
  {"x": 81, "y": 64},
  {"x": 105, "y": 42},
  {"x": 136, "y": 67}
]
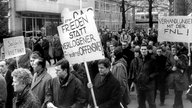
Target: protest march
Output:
[{"x": 95, "y": 67}]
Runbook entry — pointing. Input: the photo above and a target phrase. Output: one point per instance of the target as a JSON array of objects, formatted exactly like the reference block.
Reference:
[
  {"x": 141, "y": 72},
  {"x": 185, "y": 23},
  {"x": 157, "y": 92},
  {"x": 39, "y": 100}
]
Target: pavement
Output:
[{"x": 169, "y": 99}]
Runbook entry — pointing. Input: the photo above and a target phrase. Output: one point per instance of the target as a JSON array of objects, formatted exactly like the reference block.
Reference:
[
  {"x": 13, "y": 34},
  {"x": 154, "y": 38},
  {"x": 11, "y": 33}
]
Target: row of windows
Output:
[
  {"x": 33, "y": 26},
  {"x": 107, "y": 6}
]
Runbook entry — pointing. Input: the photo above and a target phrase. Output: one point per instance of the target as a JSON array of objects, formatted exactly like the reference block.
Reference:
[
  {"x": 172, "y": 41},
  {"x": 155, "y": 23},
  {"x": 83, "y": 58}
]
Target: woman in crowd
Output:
[{"x": 22, "y": 79}]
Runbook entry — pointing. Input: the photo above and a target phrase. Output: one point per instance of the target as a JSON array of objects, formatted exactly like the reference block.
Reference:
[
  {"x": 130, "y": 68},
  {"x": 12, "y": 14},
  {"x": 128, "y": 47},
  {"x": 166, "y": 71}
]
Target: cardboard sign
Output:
[
  {"x": 80, "y": 39},
  {"x": 175, "y": 29},
  {"x": 67, "y": 16},
  {"x": 14, "y": 47}
]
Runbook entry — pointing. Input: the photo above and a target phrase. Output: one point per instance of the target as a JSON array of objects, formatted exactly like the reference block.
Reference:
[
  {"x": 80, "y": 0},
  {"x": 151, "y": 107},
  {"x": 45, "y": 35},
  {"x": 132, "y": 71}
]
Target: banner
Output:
[
  {"x": 80, "y": 39},
  {"x": 14, "y": 47},
  {"x": 67, "y": 15},
  {"x": 175, "y": 29}
]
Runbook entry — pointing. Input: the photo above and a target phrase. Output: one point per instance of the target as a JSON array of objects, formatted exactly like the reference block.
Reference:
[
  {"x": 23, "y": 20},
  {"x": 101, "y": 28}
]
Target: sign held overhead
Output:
[
  {"x": 175, "y": 29},
  {"x": 14, "y": 47},
  {"x": 80, "y": 39}
]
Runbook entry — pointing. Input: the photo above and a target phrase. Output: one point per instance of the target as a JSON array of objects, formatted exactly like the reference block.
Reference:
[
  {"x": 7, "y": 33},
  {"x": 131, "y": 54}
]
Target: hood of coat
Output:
[{"x": 121, "y": 60}]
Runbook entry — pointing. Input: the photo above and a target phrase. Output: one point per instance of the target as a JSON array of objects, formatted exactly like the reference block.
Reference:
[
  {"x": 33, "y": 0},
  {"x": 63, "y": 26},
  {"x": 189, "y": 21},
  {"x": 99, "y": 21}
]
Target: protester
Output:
[
  {"x": 41, "y": 79},
  {"x": 22, "y": 79},
  {"x": 177, "y": 65},
  {"x": 57, "y": 49},
  {"x": 144, "y": 69},
  {"x": 128, "y": 55},
  {"x": 66, "y": 89},
  {"x": 106, "y": 87},
  {"x": 119, "y": 70},
  {"x": 9, "y": 68},
  {"x": 162, "y": 75},
  {"x": 45, "y": 47},
  {"x": 3, "y": 92}
]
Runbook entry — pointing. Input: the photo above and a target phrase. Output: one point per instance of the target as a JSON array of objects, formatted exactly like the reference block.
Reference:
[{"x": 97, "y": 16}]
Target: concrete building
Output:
[{"x": 30, "y": 17}]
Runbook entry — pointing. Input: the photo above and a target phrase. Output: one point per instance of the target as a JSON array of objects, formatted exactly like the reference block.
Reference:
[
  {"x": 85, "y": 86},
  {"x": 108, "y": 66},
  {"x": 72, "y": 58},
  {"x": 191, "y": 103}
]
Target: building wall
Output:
[
  {"x": 108, "y": 15},
  {"x": 28, "y": 17}
]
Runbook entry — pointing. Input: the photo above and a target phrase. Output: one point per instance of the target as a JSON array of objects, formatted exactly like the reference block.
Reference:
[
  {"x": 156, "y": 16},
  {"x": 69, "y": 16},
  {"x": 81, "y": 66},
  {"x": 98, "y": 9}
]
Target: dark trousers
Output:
[
  {"x": 161, "y": 86},
  {"x": 146, "y": 95},
  {"x": 178, "y": 102}
]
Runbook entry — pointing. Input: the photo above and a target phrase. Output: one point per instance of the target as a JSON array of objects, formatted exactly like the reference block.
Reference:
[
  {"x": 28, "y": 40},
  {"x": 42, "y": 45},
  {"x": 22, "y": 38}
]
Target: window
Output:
[
  {"x": 28, "y": 24},
  {"x": 96, "y": 5}
]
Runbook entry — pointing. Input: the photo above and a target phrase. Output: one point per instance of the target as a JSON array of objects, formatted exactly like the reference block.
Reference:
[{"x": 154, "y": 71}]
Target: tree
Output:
[
  {"x": 150, "y": 13},
  {"x": 123, "y": 14}
]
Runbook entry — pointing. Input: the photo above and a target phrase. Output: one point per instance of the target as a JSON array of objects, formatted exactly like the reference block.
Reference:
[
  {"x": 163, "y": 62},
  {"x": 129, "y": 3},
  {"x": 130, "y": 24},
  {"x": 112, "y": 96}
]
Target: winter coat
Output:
[
  {"x": 3, "y": 92},
  {"x": 37, "y": 47},
  {"x": 178, "y": 79},
  {"x": 57, "y": 49},
  {"x": 41, "y": 86},
  {"x": 10, "y": 90},
  {"x": 26, "y": 100},
  {"x": 45, "y": 47},
  {"x": 128, "y": 55},
  {"x": 144, "y": 72},
  {"x": 119, "y": 70},
  {"x": 107, "y": 92},
  {"x": 68, "y": 95},
  {"x": 161, "y": 67}
]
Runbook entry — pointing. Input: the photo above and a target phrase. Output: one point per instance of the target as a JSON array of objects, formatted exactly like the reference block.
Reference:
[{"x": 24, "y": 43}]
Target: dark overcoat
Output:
[
  {"x": 41, "y": 86},
  {"x": 107, "y": 92}
]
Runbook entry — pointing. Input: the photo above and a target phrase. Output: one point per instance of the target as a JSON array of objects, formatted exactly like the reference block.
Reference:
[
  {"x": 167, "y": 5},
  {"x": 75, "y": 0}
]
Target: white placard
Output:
[
  {"x": 14, "y": 47},
  {"x": 67, "y": 16},
  {"x": 175, "y": 29},
  {"x": 80, "y": 39}
]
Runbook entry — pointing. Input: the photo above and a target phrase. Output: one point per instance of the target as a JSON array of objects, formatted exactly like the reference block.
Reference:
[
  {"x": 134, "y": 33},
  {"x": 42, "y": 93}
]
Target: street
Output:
[{"x": 168, "y": 101}]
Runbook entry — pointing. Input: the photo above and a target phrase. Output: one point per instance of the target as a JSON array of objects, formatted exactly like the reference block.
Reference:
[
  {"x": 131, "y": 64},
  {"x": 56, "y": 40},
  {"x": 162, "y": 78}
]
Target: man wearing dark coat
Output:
[
  {"x": 119, "y": 71},
  {"x": 128, "y": 55},
  {"x": 37, "y": 47},
  {"x": 3, "y": 91},
  {"x": 66, "y": 89},
  {"x": 106, "y": 87},
  {"x": 45, "y": 47},
  {"x": 41, "y": 79},
  {"x": 145, "y": 72},
  {"x": 176, "y": 65},
  {"x": 57, "y": 49},
  {"x": 162, "y": 74}
]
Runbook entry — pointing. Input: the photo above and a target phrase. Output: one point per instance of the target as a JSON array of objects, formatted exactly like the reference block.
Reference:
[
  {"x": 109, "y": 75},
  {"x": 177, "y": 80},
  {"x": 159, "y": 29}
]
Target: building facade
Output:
[
  {"x": 108, "y": 14},
  {"x": 32, "y": 17}
]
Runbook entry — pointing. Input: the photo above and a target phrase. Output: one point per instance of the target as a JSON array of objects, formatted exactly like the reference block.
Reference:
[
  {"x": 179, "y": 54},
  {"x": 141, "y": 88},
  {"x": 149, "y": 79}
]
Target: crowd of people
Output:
[{"x": 134, "y": 60}]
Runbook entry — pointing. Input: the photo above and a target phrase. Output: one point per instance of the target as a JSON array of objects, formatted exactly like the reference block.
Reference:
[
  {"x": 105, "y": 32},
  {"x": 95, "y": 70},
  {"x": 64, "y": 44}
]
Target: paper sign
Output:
[
  {"x": 80, "y": 39},
  {"x": 68, "y": 16},
  {"x": 14, "y": 47},
  {"x": 175, "y": 29}
]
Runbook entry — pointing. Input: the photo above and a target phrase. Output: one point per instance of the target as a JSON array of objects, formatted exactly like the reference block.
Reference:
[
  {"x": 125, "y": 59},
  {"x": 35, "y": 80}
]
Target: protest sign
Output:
[
  {"x": 68, "y": 15},
  {"x": 14, "y": 47},
  {"x": 80, "y": 39},
  {"x": 175, "y": 29}
]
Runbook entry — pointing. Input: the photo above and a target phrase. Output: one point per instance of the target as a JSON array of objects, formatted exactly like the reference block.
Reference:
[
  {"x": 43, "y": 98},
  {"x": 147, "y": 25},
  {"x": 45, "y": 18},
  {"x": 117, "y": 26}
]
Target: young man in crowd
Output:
[
  {"x": 144, "y": 69},
  {"x": 66, "y": 89},
  {"x": 106, "y": 87},
  {"x": 119, "y": 70}
]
